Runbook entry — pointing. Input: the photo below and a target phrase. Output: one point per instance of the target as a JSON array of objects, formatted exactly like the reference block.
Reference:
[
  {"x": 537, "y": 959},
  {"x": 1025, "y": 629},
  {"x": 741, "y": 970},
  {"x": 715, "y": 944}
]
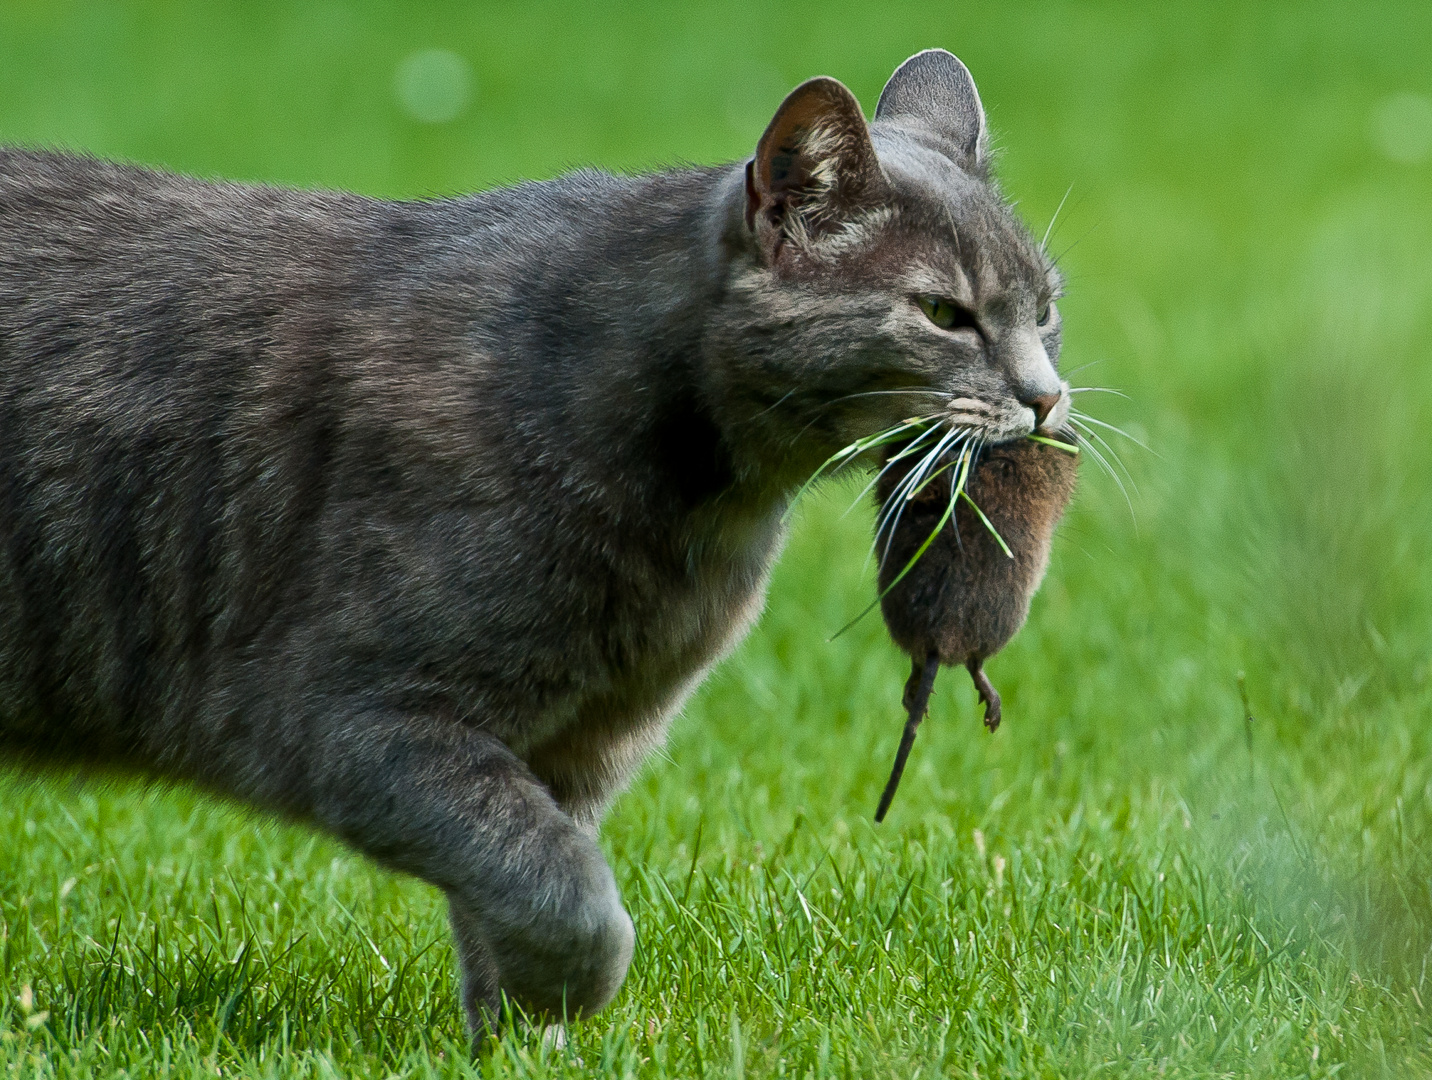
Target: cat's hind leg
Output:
[{"x": 535, "y": 909}]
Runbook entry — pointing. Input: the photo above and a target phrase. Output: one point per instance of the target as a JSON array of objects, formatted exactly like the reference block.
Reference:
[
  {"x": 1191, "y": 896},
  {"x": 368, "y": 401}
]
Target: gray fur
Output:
[
  {"x": 933, "y": 93},
  {"x": 418, "y": 521}
]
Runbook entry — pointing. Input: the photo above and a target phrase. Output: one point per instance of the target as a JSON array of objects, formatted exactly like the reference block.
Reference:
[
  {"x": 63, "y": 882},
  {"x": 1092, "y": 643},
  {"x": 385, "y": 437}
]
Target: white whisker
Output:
[
  {"x": 769, "y": 408},
  {"x": 1110, "y": 427},
  {"x": 1044, "y": 243},
  {"x": 1104, "y": 463},
  {"x": 972, "y": 454},
  {"x": 1081, "y": 367},
  {"x": 1098, "y": 390},
  {"x": 1114, "y": 454},
  {"x": 910, "y": 486},
  {"x": 904, "y": 453}
]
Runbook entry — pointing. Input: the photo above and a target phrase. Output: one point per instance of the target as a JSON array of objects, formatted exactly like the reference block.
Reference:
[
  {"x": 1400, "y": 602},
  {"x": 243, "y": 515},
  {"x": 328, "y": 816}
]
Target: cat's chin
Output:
[{"x": 1014, "y": 434}]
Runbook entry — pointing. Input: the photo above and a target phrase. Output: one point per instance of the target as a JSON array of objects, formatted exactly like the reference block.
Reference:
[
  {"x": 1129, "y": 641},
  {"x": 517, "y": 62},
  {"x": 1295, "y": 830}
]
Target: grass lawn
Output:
[{"x": 1132, "y": 877}]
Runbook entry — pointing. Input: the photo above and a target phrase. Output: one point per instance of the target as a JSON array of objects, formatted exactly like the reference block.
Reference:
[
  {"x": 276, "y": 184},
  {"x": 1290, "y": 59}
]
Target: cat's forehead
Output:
[{"x": 962, "y": 225}]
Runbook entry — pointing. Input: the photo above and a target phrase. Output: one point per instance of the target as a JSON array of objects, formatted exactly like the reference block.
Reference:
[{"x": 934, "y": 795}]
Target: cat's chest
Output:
[
  {"x": 661, "y": 629},
  {"x": 657, "y": 645}
]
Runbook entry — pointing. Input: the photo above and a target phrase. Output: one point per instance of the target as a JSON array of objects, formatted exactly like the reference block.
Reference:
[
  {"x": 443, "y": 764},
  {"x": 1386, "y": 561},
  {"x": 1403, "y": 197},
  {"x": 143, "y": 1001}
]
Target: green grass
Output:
[{"x": 1128, "y": 878}]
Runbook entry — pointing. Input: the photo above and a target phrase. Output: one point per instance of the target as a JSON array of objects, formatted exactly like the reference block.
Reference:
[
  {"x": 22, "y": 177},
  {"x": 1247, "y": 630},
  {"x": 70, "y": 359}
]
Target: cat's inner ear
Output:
[
  {"x": 815, "y": 167},
  {"x": 933, "y": 91}
]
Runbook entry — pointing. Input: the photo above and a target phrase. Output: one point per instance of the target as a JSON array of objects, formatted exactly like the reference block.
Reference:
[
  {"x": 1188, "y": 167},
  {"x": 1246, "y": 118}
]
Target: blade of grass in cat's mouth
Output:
[{"x": 1058, "y": 444}]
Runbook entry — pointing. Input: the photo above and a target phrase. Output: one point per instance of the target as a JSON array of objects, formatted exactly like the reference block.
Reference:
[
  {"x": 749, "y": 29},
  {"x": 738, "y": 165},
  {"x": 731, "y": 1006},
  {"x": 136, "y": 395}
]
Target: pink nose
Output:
[{"x": 1042, "y": 405}]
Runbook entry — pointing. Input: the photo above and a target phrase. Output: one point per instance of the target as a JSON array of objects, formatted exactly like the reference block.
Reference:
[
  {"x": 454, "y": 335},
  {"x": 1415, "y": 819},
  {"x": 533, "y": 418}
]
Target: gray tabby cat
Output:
[{"x": 417, "y": 521}]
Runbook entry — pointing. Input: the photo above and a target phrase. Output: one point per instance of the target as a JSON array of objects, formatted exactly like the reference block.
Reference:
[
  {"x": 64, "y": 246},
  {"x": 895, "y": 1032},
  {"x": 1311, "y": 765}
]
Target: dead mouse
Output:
[{"x": 965, "y": 596}]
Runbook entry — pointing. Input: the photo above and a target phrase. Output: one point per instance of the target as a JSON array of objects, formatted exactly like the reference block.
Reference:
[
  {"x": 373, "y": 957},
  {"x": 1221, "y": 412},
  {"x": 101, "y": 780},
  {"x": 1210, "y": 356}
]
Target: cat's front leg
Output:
[{"x": 535, "y": 909}]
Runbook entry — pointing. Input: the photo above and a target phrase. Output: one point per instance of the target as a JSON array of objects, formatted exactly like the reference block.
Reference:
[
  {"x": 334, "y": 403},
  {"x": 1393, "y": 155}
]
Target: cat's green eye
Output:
[
  {"x": 942, "y": 313},
  {"x": 1043, "y": 315}
]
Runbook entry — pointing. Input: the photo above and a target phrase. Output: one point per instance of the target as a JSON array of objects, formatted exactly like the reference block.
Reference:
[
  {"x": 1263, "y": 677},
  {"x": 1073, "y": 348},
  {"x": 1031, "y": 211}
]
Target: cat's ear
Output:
[
  {"x": 934, "y": 91},
  {"x": 814, "y": 167}
]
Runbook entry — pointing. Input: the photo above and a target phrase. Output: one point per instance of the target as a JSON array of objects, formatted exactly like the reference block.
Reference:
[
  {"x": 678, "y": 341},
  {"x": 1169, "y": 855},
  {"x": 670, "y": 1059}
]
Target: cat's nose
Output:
[
  {"x": 1043, "y": 405},
  {"x": 1033, "y": 381}
]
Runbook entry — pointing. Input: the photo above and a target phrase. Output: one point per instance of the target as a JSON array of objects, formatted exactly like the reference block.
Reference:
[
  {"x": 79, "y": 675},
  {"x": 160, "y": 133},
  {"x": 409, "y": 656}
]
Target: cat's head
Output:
[{"x": 879, "y": 274}]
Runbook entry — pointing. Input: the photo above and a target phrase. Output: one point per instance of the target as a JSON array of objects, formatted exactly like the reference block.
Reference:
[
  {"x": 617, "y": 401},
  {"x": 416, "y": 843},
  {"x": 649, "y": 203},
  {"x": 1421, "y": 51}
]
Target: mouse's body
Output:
[{"x": 965, "y": 597}]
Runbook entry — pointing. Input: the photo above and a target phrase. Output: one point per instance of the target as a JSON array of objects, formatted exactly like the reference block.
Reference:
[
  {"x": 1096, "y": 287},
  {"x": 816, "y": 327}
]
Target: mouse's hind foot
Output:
[{"x": 988, "y": 694}]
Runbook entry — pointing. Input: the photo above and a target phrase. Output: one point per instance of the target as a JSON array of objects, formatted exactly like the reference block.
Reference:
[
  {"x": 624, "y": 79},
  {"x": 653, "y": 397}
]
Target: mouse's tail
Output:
[{"x": 917, "y": 702}]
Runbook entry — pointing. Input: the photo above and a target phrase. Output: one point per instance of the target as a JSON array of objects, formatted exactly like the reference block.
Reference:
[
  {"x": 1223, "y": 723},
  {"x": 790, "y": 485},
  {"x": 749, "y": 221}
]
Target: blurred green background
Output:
[{"x": 1248, "y": 243}]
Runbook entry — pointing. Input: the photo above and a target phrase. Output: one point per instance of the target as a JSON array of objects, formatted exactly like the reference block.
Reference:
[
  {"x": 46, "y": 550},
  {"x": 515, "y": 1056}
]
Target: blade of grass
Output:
[
  {"x": 1054, "y": 443},
  {"x": 987, "y": 523}
]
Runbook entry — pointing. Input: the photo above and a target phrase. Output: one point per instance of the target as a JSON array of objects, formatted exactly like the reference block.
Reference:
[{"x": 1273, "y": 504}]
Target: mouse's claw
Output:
[{"x": 988, "y": 694}]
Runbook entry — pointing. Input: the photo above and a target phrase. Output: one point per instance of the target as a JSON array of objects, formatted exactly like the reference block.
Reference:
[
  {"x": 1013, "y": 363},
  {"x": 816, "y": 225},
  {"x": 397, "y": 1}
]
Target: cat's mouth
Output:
[
  {"x": 989, "y": 423},
  {"x": 1009, "y": 419}
]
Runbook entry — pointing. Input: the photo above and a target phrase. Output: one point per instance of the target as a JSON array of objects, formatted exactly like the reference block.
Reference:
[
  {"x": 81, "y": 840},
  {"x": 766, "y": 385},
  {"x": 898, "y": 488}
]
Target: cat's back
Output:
[
  {"x": 120, "y": 286},
  {"x": 107, "y": 267},
  {"x": 173, "y": 352},
  {"x": 234, "y": 418},
  {"x": 65, "y": 215}
]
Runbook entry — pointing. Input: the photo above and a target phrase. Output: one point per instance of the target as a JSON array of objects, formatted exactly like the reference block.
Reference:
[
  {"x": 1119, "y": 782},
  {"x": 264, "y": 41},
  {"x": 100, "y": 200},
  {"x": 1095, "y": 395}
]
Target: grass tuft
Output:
[{"x": 1131, "y": 877}]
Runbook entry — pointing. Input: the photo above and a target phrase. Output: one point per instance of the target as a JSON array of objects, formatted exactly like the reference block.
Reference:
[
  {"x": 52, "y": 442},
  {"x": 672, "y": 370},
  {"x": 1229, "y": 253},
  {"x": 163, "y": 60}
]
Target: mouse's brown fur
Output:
[{"x": 965, "y": 597}]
